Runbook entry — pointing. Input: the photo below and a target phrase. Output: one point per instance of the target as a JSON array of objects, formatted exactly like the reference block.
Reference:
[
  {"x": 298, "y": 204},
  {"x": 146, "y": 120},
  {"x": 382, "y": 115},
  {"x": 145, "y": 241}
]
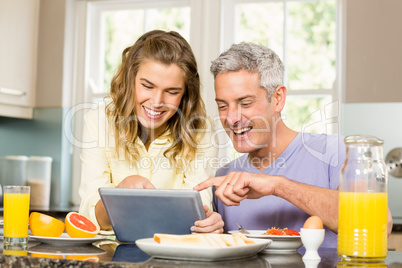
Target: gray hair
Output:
[{"x": 252, "y": 57}]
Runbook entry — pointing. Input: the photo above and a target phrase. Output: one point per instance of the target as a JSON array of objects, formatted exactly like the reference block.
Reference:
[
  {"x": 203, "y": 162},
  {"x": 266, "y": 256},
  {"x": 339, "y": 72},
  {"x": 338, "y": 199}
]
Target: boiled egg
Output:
[{"x": 314, "y": 222}]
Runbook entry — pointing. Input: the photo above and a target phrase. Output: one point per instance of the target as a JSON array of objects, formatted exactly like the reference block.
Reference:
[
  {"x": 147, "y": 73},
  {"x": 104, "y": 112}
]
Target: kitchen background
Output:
[{"x": 35, "y": 123}]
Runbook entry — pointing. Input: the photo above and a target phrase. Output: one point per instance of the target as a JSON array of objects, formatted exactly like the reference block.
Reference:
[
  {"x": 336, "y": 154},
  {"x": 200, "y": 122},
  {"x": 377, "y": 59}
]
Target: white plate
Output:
[
  {"x": 189, "y": 252},
  {"x": 65, "y": 239},
  {"x": 280, "y": 243}
]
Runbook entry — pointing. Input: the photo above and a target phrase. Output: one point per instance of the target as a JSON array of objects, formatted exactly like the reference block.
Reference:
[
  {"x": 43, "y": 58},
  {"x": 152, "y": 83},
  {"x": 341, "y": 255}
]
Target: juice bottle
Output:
[{"x": 363, "y": 201}]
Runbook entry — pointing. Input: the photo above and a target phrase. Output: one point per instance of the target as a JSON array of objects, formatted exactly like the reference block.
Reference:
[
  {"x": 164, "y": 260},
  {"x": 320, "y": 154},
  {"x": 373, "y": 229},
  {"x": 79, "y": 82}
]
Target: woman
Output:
[{"x": 153, "y": 133}]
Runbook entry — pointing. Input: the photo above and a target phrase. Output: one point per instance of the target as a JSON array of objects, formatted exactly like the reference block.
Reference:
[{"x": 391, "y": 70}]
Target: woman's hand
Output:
[
  {"x": 133, "y": 181},
  {"x": 136, "y": 181},
  {"x": 213, "y": 223}
]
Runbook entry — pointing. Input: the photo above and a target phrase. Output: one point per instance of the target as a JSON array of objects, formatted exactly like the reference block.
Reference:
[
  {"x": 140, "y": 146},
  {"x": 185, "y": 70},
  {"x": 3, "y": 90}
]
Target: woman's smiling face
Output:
[{"x": 159, "y": 89}]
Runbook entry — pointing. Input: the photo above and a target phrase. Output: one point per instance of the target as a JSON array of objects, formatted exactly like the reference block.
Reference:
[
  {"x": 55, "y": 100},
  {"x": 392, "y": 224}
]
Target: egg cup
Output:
[{"x": 312, "y": 240}]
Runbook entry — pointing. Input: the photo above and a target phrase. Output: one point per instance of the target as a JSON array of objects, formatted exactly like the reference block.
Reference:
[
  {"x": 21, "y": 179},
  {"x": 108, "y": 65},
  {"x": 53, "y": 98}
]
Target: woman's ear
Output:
[{"x": 279, "y": 97}]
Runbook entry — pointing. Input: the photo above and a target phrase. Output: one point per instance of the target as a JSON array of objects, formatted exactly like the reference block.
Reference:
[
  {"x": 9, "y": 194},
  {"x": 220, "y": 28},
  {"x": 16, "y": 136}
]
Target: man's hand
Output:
[
  {"x": 237, "y": 186},
  {"x": 136, "y": 181},
  {"x": 213, "y": 223}
]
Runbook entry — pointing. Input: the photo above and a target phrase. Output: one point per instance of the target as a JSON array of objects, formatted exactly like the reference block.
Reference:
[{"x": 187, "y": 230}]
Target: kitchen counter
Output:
[{"x": 111, "y": 254}]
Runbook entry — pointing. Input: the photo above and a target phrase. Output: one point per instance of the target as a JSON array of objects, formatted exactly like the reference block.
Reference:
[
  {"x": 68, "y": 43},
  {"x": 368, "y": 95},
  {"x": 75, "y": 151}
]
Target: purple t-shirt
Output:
[{"x": 314, "y": 159}]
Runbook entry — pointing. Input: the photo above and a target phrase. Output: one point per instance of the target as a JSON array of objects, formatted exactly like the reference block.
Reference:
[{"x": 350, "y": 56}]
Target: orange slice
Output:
[
  {"x": 92, "y": 258},
  {"x": 45, "y": 225},
  {"x": 51, "y": 256},
  {"x": 79, "y": 226}
]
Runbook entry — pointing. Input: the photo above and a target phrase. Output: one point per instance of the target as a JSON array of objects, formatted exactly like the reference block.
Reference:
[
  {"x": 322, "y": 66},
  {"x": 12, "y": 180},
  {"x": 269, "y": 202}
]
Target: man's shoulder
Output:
[
  {"x": 320, "y": 142},
  {"x": 309, "y": 136},
  {"x": 327, "y": 148}
]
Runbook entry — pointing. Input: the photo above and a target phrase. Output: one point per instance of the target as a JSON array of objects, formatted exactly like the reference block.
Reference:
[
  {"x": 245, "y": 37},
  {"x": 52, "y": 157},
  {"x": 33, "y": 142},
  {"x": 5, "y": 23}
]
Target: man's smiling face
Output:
[{"x": 244, "y": 110}]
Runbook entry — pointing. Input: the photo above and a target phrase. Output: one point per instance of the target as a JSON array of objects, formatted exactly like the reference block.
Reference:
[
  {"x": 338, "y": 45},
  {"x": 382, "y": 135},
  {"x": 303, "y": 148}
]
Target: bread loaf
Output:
[
  {"x": 204, "y": 240},
  {"x": 190, "y": 239}
]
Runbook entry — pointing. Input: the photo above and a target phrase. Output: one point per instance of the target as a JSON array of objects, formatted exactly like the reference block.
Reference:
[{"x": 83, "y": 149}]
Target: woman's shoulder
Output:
[
  {"x": 96, "y": 117},
  {"x": 96, "y": 111}
]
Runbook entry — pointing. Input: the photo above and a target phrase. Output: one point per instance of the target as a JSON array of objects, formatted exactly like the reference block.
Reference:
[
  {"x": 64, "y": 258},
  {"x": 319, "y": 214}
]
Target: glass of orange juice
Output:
[{"x": 16, "y": 215}]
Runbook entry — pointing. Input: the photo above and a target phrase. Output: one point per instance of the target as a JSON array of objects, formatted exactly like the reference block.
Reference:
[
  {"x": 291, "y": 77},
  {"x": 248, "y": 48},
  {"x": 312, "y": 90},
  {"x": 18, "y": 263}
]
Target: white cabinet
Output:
[{"x": 19, "y": 20}]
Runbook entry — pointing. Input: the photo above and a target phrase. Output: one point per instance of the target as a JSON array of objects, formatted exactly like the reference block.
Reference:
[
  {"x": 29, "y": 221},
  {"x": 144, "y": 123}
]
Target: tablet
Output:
[{"x": 139, "y": 213}]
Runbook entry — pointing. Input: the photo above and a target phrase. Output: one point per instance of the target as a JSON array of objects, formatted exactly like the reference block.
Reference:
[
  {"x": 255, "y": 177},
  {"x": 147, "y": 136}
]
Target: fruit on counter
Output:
[
  {"x": 79, "y": 226},
  {"x": 204, "y": 240},
  {"x": 49, "y": 256},
  {"x": 278, "y": 231},
  {"x": 92, "y": 258},
  {"x": 314, "y": 222},
  {"x": 45, "y": 225}
]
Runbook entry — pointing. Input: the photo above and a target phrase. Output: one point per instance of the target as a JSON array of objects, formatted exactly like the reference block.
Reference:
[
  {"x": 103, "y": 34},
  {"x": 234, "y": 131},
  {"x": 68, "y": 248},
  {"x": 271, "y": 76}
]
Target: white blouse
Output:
[{"x": 101, "y": 167}]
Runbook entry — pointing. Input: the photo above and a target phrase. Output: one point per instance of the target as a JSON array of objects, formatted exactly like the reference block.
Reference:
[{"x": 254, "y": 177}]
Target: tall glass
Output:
[
  {"x": 16, "y": 215},
  {"x": 363, "y": 201}
]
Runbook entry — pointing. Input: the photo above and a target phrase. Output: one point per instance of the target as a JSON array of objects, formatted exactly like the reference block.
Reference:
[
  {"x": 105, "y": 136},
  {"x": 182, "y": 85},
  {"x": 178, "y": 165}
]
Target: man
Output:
[{"x": 284, "y": 176}]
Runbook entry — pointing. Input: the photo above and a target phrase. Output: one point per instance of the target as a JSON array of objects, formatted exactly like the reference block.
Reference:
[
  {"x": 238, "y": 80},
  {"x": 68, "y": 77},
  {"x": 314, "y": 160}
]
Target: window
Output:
[{"x": 303, "y": 34}]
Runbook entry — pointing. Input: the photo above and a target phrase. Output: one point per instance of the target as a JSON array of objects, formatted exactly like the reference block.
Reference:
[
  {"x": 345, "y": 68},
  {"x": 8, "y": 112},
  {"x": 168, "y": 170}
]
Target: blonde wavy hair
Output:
[{"x": 167, "y": 48}]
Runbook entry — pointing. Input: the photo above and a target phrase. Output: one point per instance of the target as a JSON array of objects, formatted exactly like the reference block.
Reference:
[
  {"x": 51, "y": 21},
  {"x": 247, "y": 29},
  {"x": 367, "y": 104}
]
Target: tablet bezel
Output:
[{"x": 129, "y": 211}]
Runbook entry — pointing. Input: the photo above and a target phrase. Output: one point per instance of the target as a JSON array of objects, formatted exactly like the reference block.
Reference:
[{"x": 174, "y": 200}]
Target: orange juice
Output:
[
  {"x": 15, "y": 252},
  {"x": 16, "y": 215},
  {"x": 362, "y": 226}
]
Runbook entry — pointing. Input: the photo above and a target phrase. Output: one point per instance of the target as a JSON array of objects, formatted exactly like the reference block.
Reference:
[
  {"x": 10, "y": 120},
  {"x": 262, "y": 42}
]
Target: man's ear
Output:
[{"x": 279, "y": 98}]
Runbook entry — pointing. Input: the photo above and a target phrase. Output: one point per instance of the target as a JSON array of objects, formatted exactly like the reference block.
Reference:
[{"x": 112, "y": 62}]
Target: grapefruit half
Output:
[
  {"x": 45, "y": 225},
  {"x": 79, "y": 226}
]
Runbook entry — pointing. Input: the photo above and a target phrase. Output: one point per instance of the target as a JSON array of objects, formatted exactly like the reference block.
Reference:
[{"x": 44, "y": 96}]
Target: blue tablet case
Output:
[{"x": 139, "y": 213}]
